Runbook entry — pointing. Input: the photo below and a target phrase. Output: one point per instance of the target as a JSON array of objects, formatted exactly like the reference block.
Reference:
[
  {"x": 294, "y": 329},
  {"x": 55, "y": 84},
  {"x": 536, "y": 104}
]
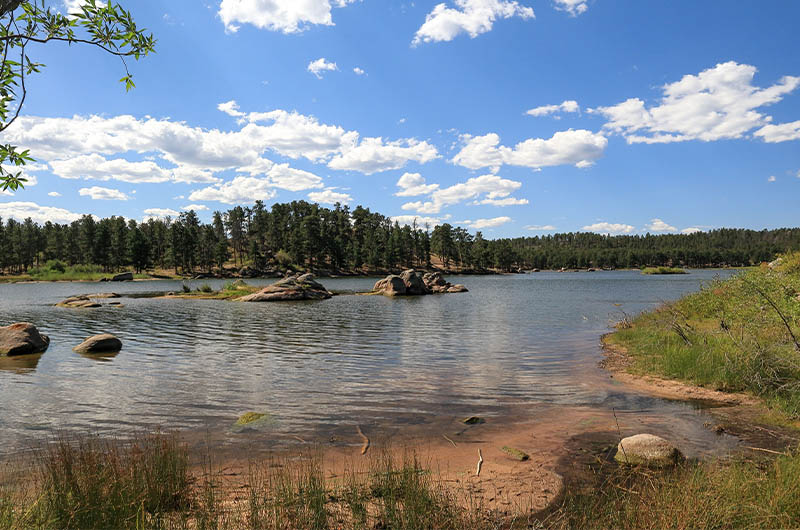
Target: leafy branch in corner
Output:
[{"x": 26, "y": 23}]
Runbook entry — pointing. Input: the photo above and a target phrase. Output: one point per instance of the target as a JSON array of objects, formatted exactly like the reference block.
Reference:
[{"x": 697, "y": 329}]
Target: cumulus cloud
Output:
[
  {"x": 566, "y": 106},
  {"x": 195, "y": 207},
  {"x": 609, "y": 228},
  {"x": 358, "y": 71},
  {"x": 98, "y": 193},
  {"x": 413, "y": 185},
  {"x": 373, "y": 155},
  {"x": 160, "y": 213},
  {"x": 102, "y": 148},
  {"x": 494, "y": 222},
  {"x": 540, "y": 228},
  {"x": 73, "y": 7},
  {"x": 691, "y": 230},
  {"x": 420, "y": 221},
  {"x": 472, "y": 17},
  {"x": 54, "y": 194},
  {"x": 573, "y": 7},
  {"x": 772, "y": 179},
  {"x": 718, "y": 103},
  {"x": 240, "y": 190},
  {"x": 329, "y": 197},
  {"x": 40, "y": 214},
  {"x": 231, "y": 108},
  {"x": 657, "y": 225},
  {"x": 508, "y": 201},
  {"x": 779, "y": 133},
  {"x": 285, "y": 16},
  {"x": 321, "y": 65},
  {"x": 486, "y": 186},
  {"x": 574, "y": 147}
]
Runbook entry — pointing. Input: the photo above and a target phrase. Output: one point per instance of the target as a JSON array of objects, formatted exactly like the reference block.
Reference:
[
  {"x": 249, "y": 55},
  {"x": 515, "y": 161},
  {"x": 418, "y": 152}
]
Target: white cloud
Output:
[
  {"x": 231, "y": 108},
  {"x": 40, "y": 214},
  {"x": 54, "y": 194},
  {"x": 413, "y": 184},
  {"x": 329, "y": 197},
  {"x": 472, "y": 17},
  {"x": 102, "y": 148},
  {"x": 718, "y": 103},
  {"x": 240, "y": 190},
  {"x": 195, "y": 207},
  {"x": 657, "y": 225},
  {"x": 691, "y": 230},
  {"x": 508, "y": 201},
  {"x": 577, "y": 147},
  {"x": 373, "y": 155},
  {"x": 772, "y": 179},
  {"x": 566, "y": 106},
  {"x": 494, "y": 222},
  {"x": 779, "y": 133},
  {"x": 286, "y": 16},
  {"x": 540, "y": 228},
  {"x": 409, "y": 220},
  {"x": 358, "y": 71},
  {"x": 160, "y": 213},
  {"x": 321, "y": 65},
  {"x": 98, "y": 193},
  {"x": 573, "y": 7},
  {"x": 73, "y": 7},
  {"x": 489, "y": 186},
  {"x": 609, "y": 228}
]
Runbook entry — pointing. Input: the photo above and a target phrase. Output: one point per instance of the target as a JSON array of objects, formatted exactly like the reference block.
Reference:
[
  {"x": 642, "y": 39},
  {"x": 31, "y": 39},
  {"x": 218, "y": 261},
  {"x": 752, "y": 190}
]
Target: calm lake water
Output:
[{"x": 516, "y": 341}]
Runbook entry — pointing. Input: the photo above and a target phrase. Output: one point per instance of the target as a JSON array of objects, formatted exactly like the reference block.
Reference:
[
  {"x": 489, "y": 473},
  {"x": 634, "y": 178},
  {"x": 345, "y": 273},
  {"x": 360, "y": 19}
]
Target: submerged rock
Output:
[
  {"x": 81, "y": 302},
  {"x": 297, "y": 287},
  {"x": 103, "y": 343},
  {"x": 22, "y": 338},
  {"x": 473, "y": 420},
  {"x": 647, "y": 450},
  {"x": 249, "y": 417},
  {"x": 413, "y": 282}
]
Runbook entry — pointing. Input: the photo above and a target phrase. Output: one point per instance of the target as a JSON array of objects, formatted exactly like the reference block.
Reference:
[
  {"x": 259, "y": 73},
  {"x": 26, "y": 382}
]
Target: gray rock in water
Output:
[
  {"x": 391, "y": 286},
  {"x": 22, "y": 338},
  {"x": 647, "y": 450},
  {"x": 457, "y": 288},
  {"x": 298, "y": 287},
  {"x": 414, "y": 283},
  {"x": 123, "y": 277},
  {"x": 104, "y": 343}
]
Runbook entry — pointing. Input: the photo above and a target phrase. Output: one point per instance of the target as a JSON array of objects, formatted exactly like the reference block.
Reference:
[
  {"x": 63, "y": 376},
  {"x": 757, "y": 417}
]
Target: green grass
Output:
[
  {"x": 742, "y": 494},
  {"x": 147, "y": 484},
  {"x": 663, "y": 270},
  {"x": 740, "y": 334},
  {"x": 55, "y": 271}
]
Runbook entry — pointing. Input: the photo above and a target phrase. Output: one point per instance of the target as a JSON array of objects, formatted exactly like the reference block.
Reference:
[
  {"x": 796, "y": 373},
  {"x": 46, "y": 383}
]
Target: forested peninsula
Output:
[{"x": 342, "y": 240}]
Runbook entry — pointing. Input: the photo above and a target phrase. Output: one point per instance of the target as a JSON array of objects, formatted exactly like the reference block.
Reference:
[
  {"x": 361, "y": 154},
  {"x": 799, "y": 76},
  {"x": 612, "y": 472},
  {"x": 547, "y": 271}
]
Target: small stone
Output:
[
  {"x": 473, "y": 420},
  {"x": 516, "y": 454},
  {"x": 103, "y": 343}
]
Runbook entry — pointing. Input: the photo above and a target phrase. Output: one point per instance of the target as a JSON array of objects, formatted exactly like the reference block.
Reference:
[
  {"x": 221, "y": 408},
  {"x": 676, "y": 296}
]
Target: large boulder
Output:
[
  {"x": 81, "y": 302},
  {"x": 103, "y": 343},
  {"x": 391, "y": 286},
  {"x": 123, "y": 277},
  {"x": 414, "y": 283},
  {"x": 297, "y": 287},
  {"x": 22, "y": 338},
  {"x": 647, "y": 450}
]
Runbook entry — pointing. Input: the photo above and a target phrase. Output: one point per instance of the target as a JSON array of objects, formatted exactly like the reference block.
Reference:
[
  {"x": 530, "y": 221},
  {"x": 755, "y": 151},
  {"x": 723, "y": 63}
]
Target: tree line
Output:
[{"x": 309, "y": 236}]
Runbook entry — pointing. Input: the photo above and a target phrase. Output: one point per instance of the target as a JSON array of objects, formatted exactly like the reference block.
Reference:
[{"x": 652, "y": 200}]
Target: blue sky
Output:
[{"x": 511, "y": 117}]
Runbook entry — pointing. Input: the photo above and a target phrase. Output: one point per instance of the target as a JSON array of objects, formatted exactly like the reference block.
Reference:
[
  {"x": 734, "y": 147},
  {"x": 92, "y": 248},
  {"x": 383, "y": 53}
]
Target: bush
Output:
[
  {"x": 205, "y": 288},
  {"x": 283, "y": 258}
]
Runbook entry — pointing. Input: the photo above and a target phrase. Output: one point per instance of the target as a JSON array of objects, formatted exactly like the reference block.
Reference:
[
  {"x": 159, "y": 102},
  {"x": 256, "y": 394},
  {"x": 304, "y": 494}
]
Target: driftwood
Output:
[
  {"x": 365, "y": 447},
  {"x": 480, "y": 464},
  {"x": 449, "y": 440}
]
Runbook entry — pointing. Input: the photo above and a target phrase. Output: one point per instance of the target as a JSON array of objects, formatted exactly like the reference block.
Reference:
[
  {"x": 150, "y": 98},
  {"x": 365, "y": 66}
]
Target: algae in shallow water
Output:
[{"x": 249, "y": 417}]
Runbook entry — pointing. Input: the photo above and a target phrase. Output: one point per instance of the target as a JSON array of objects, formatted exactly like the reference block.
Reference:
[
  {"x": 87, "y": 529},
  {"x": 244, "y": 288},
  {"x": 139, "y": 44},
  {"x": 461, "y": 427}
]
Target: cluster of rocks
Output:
[
  {"x": 295, "y": 287},
  {"x": 89, "y": 301},
  {"x": 413, "y": 283},
  {"x": 23, "y": 338}
]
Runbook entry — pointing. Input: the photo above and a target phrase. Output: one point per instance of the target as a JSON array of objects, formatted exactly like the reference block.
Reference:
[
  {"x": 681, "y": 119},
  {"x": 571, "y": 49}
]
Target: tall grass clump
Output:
[
  {"x": 663, "y": 270},
  {"x": 742, "y": 494},
  {"x": 88, "y": 483},
  {"x": 739, "y": 334}
]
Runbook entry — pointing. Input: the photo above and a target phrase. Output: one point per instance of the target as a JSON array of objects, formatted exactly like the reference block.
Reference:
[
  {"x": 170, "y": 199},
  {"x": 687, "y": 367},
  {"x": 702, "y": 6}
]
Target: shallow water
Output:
[{"x": 512, "y": 343}]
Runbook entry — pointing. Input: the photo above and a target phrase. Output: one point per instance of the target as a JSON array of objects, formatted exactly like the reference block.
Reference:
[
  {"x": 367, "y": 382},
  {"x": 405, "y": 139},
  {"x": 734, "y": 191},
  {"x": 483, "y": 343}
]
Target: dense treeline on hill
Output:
[{"x": 310, "y": 236}]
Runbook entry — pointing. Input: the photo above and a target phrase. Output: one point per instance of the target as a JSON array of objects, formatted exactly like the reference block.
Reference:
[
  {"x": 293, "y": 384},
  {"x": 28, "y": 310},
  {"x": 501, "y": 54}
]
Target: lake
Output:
[{"x": 513, "y": 345}]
